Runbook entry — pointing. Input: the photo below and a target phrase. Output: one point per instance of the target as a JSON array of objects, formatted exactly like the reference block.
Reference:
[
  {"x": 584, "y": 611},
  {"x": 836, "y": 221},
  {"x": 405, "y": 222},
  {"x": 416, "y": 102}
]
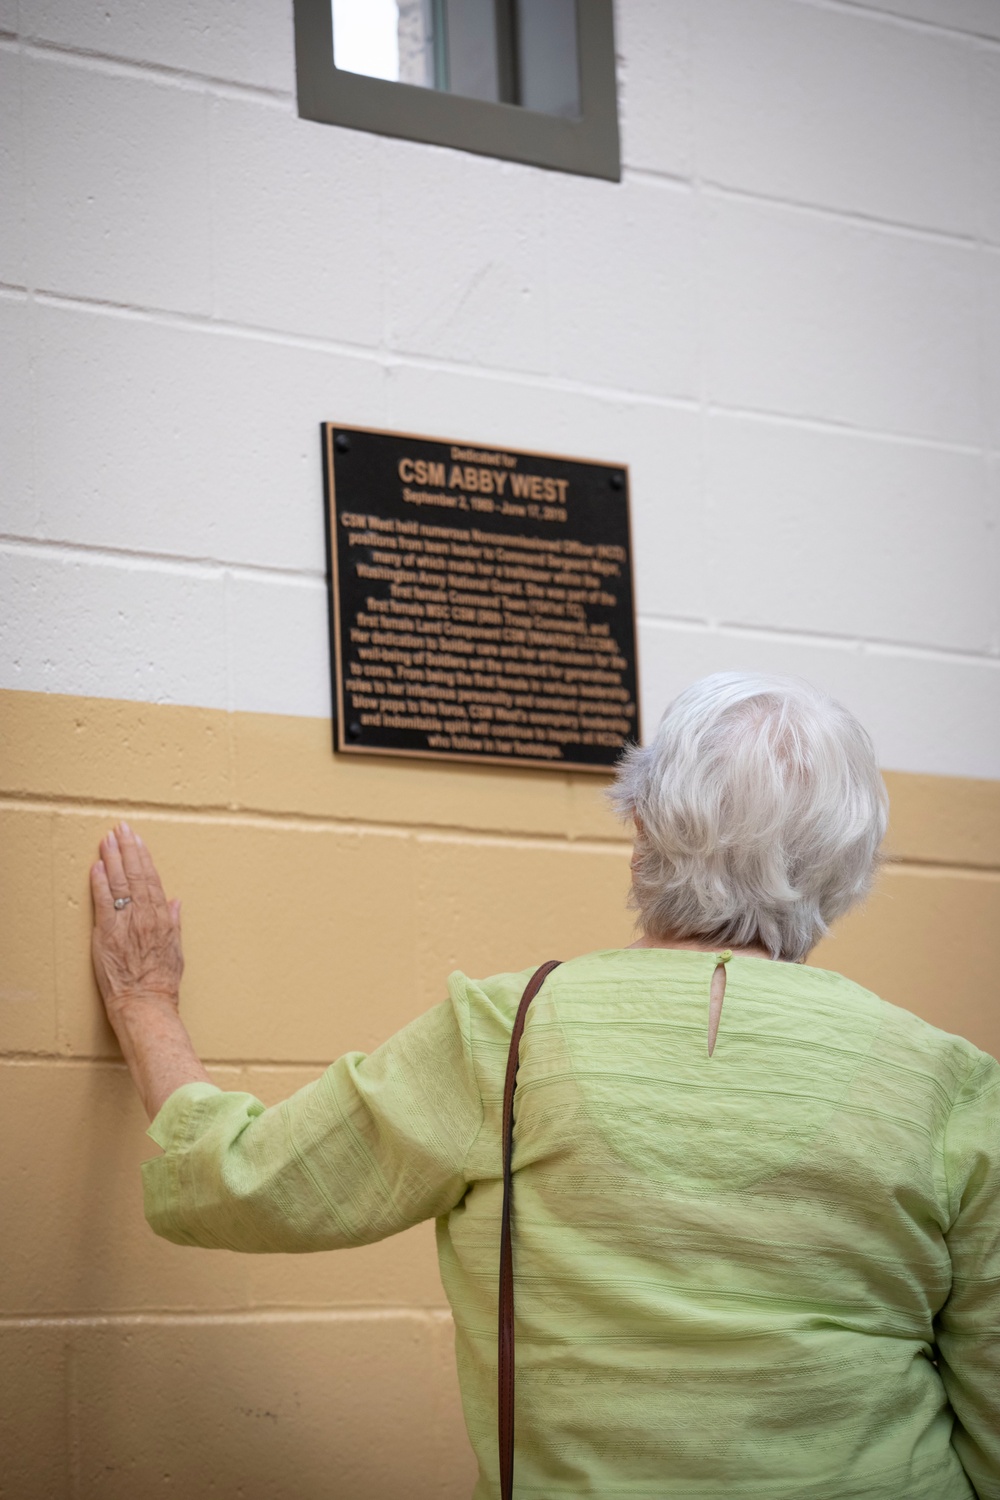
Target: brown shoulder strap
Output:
[{"x": 505, "y": 1362}]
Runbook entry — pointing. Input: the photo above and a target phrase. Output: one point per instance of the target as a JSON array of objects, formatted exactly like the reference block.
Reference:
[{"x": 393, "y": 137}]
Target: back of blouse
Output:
[
  {"x": 734, "y": 1274},
  {"x": 730, "y": 1270}
]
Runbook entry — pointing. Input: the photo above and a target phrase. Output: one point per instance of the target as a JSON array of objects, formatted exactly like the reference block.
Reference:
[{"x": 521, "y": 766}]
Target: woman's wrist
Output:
[
  {"x": 140, "y": 1011},
  {"x": 134, "y": 1006},
  {"x": 156, "y": 1047}
]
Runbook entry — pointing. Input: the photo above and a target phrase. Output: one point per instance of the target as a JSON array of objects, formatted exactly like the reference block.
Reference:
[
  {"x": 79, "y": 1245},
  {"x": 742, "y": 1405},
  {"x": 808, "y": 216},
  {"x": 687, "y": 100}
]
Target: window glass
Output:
[
  {"x": 547, "y": 55},
  {"x": 470, "y": 49},
  {"x": 366, "y": 37},
  {"x": 502, "y": 51},
  {"x": 415, "y": 33}
]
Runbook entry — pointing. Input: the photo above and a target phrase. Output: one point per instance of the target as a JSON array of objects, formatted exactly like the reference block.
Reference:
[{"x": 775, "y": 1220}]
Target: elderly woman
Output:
[{"x": 756, "y": 1208}]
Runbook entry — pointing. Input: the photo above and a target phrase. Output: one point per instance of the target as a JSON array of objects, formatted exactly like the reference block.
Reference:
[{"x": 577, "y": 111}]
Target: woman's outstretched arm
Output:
[
  {"x": 138, "y": 963},
  {"x": 373, "y": 1146}
]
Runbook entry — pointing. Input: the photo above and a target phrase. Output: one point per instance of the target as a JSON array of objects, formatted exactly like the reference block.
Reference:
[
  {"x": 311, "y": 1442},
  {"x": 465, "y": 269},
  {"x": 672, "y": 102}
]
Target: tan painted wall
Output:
[{"x": 325, "y": 902}]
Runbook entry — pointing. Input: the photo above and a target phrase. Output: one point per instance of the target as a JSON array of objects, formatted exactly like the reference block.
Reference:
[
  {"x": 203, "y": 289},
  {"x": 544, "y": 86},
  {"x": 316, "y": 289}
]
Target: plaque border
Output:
[{"x": 506, "y": 762}]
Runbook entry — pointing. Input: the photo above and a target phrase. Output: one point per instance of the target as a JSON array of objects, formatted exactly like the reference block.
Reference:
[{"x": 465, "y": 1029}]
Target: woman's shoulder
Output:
[
  {"x": 496, "y": 997},
  {"x": 500, "y": 994},
  {"x": 898, "y": 1034},
  {"x": 901, "y": 1039}
]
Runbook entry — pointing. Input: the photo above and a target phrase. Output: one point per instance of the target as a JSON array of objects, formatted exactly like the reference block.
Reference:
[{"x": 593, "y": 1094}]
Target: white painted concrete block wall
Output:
[{"x": 786, "y": 318}]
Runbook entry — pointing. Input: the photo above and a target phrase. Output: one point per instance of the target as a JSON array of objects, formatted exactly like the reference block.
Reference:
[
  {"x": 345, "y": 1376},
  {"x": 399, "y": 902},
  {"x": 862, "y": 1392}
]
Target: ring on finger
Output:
[{"x": 122, "y": 901}]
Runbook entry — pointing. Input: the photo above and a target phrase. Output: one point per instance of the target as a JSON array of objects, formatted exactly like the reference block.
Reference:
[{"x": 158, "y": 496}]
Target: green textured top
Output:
[{"x": 733, "y": 1273}]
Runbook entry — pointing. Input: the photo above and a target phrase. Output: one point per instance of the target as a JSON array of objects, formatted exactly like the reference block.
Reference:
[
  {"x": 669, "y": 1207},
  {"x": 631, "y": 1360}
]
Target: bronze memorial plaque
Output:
[{"x": 480, "y": 602}]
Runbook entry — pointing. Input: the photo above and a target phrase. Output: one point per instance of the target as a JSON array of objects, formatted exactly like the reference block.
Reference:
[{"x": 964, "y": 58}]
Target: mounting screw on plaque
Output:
[
  {"x": 342, "y": 443},
  {"x": 617, "y": 481},
  {"x": 354, "y": 730}
]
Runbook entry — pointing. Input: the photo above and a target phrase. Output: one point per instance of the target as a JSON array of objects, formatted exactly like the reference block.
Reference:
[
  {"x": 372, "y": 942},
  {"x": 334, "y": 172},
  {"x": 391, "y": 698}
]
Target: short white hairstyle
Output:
[{"x": 759, "y": 808}]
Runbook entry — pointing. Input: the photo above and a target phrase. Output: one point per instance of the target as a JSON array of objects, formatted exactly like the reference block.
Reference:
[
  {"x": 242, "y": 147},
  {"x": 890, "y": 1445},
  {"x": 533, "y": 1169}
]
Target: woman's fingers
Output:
[
  {"x": 100, "y": 890},
  {"x": 129, "y": 867},
  {"x": 153, "y": 882},
  {"x": 112, "y": 858},
  {"x": 135, "y": 874}
]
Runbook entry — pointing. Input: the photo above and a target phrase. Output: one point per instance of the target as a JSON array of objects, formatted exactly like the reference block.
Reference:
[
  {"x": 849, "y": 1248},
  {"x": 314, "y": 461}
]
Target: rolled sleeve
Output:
[{"x": 375, "y": 1145}]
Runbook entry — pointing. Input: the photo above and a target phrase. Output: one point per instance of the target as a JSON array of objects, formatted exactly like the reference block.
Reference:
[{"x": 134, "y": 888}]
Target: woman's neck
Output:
[{"x": 752, "y": 950}]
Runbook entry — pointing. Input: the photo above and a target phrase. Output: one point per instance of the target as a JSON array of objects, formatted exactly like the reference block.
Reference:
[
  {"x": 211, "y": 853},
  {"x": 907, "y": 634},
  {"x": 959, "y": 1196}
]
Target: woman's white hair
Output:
[{"x": 759, "y": 808}]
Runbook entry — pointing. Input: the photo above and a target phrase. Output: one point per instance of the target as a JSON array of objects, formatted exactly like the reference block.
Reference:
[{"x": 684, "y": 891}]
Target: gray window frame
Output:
[{"x": 587, "y": 145}]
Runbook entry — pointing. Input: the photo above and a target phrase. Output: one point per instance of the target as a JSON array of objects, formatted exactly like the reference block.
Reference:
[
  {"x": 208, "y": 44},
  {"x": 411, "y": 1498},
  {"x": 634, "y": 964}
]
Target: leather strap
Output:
[{"x": 505, "y": 1359}]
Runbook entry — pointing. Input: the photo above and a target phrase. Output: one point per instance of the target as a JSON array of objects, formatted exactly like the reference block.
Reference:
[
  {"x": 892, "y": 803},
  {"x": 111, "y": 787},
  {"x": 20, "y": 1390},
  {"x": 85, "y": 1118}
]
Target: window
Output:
[{"x": 529, "y": 80}]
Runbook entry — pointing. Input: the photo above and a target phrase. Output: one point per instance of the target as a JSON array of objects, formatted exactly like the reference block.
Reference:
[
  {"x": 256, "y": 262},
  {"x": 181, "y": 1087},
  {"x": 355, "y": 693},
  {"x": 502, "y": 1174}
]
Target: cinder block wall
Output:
[{"x": 786, "y": 319}]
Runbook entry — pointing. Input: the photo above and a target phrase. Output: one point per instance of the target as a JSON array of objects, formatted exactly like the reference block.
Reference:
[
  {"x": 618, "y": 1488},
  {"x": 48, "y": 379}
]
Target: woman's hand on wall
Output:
[
  {"x": 137, "y": 931},
  {"x": 138, "y": 962}
]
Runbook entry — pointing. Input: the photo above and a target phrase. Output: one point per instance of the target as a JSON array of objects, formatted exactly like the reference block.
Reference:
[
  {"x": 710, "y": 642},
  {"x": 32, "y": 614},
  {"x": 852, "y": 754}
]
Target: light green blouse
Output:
[{"x": 772, "y": 1272}]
